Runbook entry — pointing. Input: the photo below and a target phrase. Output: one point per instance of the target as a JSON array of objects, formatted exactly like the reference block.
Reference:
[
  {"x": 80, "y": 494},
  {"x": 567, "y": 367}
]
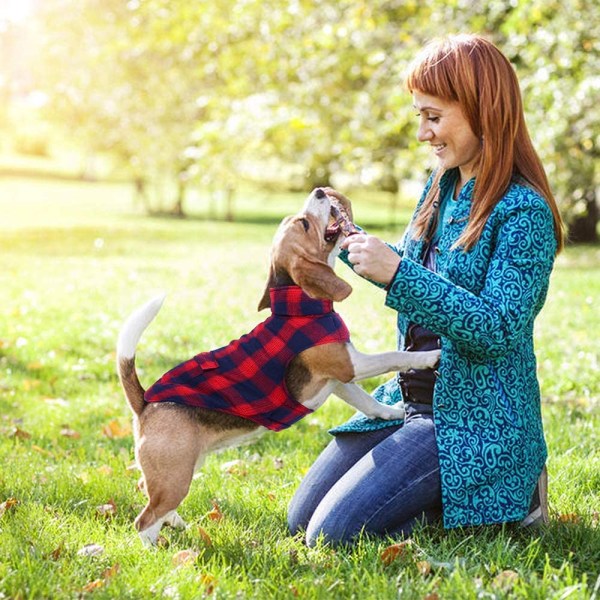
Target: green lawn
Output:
[{"x": 75, "y": 259}]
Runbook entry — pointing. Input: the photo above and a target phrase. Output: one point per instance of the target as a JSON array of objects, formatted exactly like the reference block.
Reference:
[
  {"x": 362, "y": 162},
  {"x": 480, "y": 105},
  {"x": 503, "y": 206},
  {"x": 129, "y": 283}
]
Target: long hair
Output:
[{"x": 470, "y": 70}]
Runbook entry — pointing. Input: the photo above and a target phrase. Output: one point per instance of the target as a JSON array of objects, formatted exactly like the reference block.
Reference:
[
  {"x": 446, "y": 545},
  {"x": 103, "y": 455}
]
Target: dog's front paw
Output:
[
  {"x": 389, "y": 413},
  {"x": 425, "y": 360}
]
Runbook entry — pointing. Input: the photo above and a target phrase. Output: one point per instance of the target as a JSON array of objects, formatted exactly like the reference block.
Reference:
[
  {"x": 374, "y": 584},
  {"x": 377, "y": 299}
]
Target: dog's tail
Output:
[{"x": 129, "y": 336}]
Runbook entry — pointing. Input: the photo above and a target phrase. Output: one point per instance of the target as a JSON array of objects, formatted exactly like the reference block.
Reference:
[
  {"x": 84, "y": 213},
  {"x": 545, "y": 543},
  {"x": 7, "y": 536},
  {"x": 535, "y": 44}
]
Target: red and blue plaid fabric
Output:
[{"x": 247, "y": 377}]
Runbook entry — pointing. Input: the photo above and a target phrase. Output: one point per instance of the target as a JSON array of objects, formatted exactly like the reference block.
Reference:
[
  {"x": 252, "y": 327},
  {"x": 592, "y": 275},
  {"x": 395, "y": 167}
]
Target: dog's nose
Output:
[{"x": 319, "y": 193}]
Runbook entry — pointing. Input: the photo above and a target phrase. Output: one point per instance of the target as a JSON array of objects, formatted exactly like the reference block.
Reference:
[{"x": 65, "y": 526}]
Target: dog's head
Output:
[{"x": 304, "y": 250}]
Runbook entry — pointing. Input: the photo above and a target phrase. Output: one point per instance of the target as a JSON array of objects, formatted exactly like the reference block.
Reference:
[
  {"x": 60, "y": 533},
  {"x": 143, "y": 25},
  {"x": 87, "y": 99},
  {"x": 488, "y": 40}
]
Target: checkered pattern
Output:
[{"x": 247, "y": 377}]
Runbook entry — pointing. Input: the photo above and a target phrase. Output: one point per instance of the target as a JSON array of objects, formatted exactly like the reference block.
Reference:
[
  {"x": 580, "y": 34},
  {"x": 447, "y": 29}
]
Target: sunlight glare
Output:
[{"x": 15, "y": 11}]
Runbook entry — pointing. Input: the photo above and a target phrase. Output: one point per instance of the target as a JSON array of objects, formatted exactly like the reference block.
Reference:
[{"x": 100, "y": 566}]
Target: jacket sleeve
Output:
[
  {"x": 487, "y": 324},
  {"x": 344, "y": 258}
]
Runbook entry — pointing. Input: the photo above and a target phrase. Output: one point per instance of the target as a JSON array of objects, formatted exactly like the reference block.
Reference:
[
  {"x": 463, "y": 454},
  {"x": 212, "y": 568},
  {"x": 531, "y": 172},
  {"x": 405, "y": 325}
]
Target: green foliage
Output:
[
  {"x": 555, "y": 46},
  {"x": 75, "y": 259},
  {"x": 301, "y": 92}
]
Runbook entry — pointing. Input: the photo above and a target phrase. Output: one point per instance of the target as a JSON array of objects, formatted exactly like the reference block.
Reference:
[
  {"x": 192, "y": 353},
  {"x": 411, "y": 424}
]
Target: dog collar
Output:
[{"x": 292, "y": 301}]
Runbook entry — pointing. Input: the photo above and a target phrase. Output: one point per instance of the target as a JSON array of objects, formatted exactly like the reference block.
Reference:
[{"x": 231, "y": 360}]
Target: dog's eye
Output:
[{"x": 305, "y": 223}]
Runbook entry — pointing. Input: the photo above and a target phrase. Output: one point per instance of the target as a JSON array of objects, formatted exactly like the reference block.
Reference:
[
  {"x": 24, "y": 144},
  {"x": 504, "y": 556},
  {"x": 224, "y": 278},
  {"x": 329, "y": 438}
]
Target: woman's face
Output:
[{"x": 443, "y": 125}]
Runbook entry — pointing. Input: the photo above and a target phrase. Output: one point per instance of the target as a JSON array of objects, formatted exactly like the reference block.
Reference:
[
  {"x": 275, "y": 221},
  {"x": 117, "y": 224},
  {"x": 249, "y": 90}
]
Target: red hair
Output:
[{"x": 471, "y": 71}]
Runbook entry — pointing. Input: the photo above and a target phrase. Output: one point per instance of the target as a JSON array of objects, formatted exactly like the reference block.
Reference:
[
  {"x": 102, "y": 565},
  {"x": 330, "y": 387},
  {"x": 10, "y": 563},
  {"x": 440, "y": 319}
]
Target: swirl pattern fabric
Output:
[{"x": 486, "y": 400}]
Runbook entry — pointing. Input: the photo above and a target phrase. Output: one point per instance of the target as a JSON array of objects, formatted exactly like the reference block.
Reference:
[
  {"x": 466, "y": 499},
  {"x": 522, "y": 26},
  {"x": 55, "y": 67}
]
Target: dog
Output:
[{"x": 175, "y": 426}]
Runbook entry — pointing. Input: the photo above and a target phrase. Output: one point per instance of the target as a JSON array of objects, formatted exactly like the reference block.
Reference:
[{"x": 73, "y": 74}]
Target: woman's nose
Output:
[{"x": 424, "y": 132}]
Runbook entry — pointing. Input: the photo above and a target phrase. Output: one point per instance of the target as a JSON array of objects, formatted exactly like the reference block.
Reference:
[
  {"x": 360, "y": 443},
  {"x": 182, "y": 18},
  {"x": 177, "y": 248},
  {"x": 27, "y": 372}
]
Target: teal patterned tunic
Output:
[{"x": 482, "y": 303}]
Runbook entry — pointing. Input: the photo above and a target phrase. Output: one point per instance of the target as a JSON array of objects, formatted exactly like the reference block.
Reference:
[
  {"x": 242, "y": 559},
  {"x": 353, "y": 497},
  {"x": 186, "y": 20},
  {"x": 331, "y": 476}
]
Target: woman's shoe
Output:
[{"x": 538, "y": 509}]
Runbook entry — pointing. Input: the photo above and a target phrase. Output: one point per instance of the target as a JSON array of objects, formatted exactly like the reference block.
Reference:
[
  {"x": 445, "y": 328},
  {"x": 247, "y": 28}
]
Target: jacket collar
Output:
[
  {"x": 449, "y": 178},
  {"x": 292, "y": 301}
]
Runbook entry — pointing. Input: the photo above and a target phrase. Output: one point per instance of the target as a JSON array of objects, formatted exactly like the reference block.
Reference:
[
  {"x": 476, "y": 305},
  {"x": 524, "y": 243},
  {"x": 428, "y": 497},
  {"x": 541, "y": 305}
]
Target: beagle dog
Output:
[{"x": 268, "y": 379}]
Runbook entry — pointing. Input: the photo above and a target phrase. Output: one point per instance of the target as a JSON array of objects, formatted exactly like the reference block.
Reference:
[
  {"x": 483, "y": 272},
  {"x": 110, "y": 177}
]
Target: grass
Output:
[{"x": 75, "y": 259}]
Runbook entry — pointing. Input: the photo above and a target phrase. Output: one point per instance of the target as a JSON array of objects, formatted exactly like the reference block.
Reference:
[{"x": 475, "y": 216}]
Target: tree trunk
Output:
[
  {"x": 178, "y": 207},
  {"x": 584, "y": 228},
  {"x": 229, "y": 197}
]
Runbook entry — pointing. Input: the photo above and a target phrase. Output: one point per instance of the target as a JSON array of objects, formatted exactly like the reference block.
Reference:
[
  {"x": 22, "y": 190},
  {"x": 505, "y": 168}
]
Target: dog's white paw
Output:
[
  {"x": 389, "y": 413},
  {"x": 425, "y": 360},
  {"x": 174, "y": 520},
  {"x": 149, "y": 536}
]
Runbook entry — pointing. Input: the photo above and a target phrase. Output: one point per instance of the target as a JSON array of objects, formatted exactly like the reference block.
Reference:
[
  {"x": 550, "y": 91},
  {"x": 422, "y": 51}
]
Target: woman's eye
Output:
[{"x": 430, "y": 119}]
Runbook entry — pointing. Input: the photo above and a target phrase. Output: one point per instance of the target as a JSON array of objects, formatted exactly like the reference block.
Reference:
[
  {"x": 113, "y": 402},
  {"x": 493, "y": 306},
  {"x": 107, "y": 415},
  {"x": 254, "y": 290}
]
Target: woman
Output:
[{"x": 470, "y": 275}]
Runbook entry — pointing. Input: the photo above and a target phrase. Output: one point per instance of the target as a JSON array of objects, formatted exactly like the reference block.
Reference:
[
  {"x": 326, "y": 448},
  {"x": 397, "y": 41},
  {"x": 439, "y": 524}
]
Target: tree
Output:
[
  {"x": 208, "y": 92},
  {"x": 558, "y": 51}
]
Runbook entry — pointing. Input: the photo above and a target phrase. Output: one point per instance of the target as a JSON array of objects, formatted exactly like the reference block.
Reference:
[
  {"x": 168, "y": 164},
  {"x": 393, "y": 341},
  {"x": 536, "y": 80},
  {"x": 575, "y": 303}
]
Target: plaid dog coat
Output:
[{"x": 247, "y": 377}]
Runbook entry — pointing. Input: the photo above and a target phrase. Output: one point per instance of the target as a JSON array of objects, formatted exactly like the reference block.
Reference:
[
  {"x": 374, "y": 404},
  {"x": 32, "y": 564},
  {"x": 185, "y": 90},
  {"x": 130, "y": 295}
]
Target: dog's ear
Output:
[
  {"x": 318, "y": 279},
  {"x": 265, "y": 301}
]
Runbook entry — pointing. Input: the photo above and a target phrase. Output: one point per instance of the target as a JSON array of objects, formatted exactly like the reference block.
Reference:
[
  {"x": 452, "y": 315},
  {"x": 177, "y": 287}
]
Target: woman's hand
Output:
[
  {"x": 345, "y": 202},
  {"x": 371, "y": 257}
]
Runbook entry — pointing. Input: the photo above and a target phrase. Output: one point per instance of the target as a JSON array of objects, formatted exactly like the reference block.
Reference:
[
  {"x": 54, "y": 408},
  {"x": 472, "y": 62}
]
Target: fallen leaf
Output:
[
  {"x": 19, "y": 434},
  {"x": 505, "y": 579},
  {"x": 107, "y": 510},
  {"x": 98, "y": 583},
  {"x": 56, "y": 401},
  {"x": 8, "y": 505},
  {"x": 41, "y": 450},
  {"x": 91, "y": 550},
  {"x": 235, "y": 467},
  {"x": 185, "y": 557},
  {"x": 92, "y": 585},
  {"x": 209, "y": 582},
  {"x": 424, "y": 567},
  {"x": 69, "y": 433},
  {"x": 84, "y": 476},
  {"x": 432, "y": 596},
  {"x": 57, "y": 552},
  {"x": 393, "y": 552},
  {"x": 205, "y": 537},
  {"x": 30, "y": 384},
  {"x": 569, "y": 518},
  {"x": 215, "y": 514},
  {"x": 111, "y": 571},
  {"x": 114, "y": 430}
]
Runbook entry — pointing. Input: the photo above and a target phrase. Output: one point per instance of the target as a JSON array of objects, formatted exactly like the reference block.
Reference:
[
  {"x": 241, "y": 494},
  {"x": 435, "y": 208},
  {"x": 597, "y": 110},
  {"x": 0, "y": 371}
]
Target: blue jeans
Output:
[{"x": 380, "y": 482}]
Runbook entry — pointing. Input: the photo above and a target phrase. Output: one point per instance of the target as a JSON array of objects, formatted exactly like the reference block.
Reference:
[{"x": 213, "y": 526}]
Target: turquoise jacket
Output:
[{"x": 482, "y": 303}]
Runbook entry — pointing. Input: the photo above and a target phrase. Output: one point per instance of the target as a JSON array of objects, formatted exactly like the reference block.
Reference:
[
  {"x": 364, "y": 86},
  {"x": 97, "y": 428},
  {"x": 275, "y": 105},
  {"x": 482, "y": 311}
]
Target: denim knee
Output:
[
  {"x": 332, "y": 529},
  {"x": 295, "y": 522}
]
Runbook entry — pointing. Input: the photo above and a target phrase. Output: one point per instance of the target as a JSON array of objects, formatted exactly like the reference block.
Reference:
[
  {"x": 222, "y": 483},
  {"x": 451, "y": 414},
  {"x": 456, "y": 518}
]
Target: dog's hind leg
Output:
[
  {"x": 161, "y": 510},
  {"x": 168, "y": 473}
]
